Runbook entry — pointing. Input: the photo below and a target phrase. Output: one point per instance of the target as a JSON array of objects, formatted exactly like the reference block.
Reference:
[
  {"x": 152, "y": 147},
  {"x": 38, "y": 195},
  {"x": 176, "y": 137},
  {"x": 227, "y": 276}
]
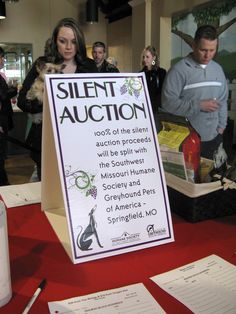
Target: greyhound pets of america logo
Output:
[
  {"x": 125, "y": 238},
  {"x": 154, "y": 232}
]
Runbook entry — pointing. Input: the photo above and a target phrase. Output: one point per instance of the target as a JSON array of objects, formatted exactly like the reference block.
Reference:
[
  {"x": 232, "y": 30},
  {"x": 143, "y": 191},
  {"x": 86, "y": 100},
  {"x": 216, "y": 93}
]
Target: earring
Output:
[{"x": 153, "y": 62}]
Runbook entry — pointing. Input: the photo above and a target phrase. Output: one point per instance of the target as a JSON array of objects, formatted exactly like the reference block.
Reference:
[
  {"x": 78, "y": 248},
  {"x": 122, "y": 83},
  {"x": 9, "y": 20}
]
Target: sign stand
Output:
[{"x": 52, "y": 195}]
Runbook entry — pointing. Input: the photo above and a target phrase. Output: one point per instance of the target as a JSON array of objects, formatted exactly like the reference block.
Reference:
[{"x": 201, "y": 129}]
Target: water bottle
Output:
[{"x": 5, "y": 276}]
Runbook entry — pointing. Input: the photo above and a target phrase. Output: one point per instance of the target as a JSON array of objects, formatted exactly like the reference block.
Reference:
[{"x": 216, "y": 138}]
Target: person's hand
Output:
[
  {"x": 209, "y": 105},
  {"x": 220, "y": 130},
  {"x": 1, "y": 129}
]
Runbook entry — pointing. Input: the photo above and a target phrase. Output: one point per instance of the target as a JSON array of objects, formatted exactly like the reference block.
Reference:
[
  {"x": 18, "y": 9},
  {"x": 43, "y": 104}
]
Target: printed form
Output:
[
  {"x": 133, "y": 299},
  {"x": 206, "y": 286}
]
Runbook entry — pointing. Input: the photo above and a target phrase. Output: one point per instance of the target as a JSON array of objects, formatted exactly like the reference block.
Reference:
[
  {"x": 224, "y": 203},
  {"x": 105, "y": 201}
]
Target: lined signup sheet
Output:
[{"x": 206, "y": 286}]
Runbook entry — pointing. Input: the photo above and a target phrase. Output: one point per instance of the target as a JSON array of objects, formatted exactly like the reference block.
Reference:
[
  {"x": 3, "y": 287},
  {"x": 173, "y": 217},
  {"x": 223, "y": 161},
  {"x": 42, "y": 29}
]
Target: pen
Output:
[{"x": 35, "y": 295}]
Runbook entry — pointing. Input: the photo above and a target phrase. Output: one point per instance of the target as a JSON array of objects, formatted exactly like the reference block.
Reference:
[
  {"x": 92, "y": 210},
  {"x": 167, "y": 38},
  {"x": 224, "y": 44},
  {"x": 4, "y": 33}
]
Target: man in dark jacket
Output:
[
  {"x": 6, "y": 121},
  {"x": 99, "y": 54}
]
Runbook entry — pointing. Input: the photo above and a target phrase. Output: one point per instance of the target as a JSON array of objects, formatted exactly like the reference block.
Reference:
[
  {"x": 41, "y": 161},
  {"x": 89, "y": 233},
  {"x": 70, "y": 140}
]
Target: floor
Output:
[{"x": 19, "y": 168}]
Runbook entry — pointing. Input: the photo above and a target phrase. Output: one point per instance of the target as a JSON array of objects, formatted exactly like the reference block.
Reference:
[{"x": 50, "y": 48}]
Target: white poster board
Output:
[{"x": 103, "y": 185}]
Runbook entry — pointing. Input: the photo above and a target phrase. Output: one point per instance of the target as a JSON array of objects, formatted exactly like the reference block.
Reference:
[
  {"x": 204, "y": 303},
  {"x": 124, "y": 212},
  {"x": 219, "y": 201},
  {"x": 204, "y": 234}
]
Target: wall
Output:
[
  {"x": 93, "y": 32},
  {"x": 138, "y": 34},
  {"x": 32, "y": 21},
  {"x": 168, "y": 7},
  {"x": 161, "y": 12},
  {"x": 120, "y": 43}
]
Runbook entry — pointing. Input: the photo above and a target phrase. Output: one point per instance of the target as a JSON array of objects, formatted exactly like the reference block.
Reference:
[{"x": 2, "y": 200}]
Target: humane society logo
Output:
[{"x": 125, "y": 238}]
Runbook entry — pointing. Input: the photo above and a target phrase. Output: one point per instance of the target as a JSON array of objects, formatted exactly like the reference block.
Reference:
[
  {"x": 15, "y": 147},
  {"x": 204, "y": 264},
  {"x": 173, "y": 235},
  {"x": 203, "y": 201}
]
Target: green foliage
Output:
[
  {"x": 177, "y": 18},
  {"x": 212, "y": 13},
  {"x": 207, "y": 14},
  {"x": 175, "y": 60},
  {"x": 226, "y": 61}
]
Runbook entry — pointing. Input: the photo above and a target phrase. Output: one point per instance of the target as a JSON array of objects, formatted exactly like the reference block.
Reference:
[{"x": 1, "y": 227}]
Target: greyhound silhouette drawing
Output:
[{"x": 84, "y": 240}]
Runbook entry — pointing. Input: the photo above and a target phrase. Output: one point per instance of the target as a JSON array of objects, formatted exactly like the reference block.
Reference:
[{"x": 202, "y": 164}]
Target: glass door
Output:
[{"x": 18, "y": 60}]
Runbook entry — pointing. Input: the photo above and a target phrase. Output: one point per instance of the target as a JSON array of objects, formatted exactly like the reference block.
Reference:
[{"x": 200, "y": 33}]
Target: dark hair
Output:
[
  {"x": 99, "y": 44},
  {"x": 207, "y": 32},
  {"x": 2, "y": 52},
  {"x": 81, "y": 53},
  {"x": 47, "y": 48}
]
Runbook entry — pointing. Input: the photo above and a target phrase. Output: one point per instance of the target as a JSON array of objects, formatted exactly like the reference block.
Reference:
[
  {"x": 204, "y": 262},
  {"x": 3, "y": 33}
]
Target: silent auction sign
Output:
[{"x": 119, "y": 170}]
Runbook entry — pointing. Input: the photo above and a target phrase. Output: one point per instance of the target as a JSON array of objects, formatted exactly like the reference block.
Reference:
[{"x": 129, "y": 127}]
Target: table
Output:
[{"x": 36, "y": 253}]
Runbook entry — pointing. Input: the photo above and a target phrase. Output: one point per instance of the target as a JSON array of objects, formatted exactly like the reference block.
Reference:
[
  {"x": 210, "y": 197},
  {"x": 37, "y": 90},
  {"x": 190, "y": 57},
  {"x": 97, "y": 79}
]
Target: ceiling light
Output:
[
  {"x": 92, "y": 11},
  {"x": 2, "y": 10}
]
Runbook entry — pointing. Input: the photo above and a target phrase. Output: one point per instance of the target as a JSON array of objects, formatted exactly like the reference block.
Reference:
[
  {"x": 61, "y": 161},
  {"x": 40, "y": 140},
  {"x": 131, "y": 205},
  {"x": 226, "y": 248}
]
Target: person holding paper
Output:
[
  {"x": 67, "y": 47},
  {"x": 196, "y": 88}
]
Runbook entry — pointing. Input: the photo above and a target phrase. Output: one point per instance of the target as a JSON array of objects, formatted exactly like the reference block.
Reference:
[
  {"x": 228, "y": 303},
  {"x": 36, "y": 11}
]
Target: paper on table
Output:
[
  {"x": 21, "y": 194},
  {"x": 134, "y": 299},
  {"x": 205, "y": 286}
]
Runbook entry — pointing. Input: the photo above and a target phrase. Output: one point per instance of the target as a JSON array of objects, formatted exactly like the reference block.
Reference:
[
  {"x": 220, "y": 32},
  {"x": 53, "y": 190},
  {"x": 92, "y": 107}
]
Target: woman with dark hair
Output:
[
  {"x": 154, "y": 75},
  {"x": 67, "y": 47}
]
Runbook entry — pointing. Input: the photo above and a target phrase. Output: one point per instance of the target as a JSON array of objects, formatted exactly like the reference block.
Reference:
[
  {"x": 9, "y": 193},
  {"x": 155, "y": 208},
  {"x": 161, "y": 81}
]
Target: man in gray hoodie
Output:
[{"x": 196, "y": 88}]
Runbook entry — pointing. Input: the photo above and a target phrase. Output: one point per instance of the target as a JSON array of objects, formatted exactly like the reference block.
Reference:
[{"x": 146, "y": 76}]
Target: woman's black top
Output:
[
  {"x": 6, "y": 111},
  {"x": 33, "y": 106},
  {"x": 34, "y": 137},
  {"x": 155, "y": 79}
]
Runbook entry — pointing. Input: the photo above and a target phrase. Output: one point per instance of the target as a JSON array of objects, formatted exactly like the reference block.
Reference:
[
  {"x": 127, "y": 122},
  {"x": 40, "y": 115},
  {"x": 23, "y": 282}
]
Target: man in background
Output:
[
  {"x": 196, "y": 88},
  {"x": 99, "y": 56}
]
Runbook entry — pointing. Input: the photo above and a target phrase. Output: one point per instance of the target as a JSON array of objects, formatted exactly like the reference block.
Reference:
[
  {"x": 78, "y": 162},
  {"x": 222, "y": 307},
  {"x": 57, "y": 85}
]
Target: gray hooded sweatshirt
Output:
[{"x": 186, "y": 84}]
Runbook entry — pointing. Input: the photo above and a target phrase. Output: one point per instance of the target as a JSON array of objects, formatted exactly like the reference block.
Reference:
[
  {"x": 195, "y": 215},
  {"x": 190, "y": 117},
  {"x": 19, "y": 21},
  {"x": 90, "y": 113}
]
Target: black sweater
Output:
[
  {"x": 6, "y": 112},
  {"x": 87, "y": 66},
  {"x": 155, "y": 79}
]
